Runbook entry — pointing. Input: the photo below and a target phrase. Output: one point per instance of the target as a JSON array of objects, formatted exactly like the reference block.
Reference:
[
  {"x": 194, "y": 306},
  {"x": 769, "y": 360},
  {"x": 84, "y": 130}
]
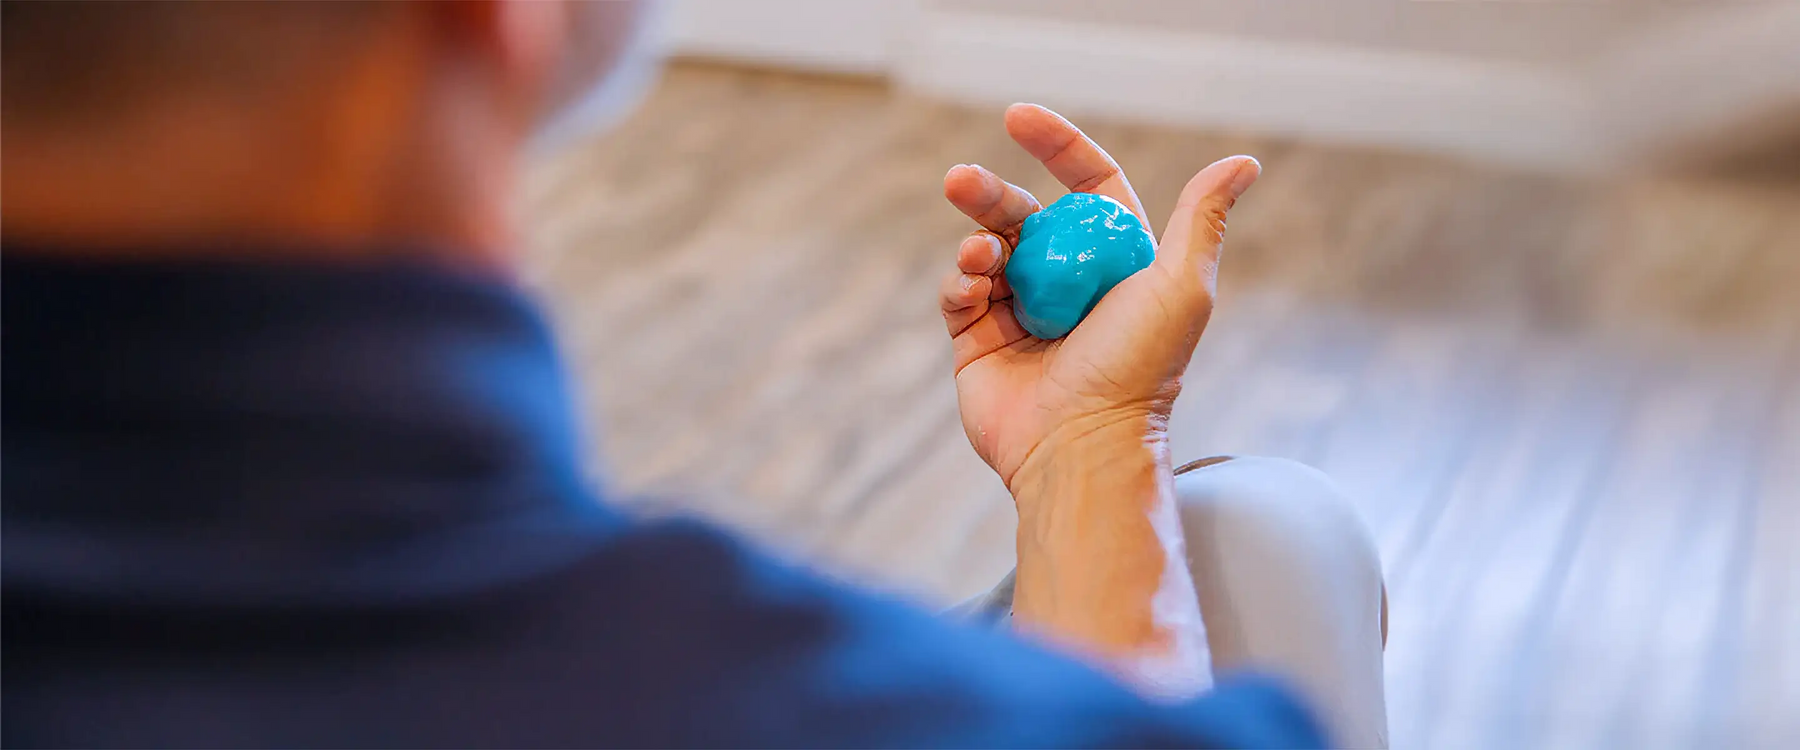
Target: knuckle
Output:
[{"x": 1213, "y": 211}]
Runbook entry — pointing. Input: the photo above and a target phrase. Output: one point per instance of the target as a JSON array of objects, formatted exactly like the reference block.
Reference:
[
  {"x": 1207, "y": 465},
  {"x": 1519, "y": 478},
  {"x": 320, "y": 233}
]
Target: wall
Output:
[
  {"x": 839, "y": 36},
  {"x": 1537, "y": 83}
]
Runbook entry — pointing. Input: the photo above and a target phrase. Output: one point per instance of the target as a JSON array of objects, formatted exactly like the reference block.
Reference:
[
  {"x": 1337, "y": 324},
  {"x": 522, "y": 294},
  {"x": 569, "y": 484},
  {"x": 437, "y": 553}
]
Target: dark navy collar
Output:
[{"x": 307, "y": 427}]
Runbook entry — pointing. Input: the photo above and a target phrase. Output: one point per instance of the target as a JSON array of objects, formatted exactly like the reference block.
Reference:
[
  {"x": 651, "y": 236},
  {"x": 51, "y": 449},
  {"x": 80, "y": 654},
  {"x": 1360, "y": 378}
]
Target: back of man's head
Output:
[
  {"x": 74, "y": 61},
  {"x": 323, "y": 124}
]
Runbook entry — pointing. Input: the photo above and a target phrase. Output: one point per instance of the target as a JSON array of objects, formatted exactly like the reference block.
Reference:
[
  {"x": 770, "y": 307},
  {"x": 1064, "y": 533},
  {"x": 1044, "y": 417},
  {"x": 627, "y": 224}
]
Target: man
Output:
[{"x": 288, "y": 459}]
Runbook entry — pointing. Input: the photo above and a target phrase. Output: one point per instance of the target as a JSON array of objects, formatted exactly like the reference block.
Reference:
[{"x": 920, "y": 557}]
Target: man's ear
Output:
[{"x": 521, "y": 40}]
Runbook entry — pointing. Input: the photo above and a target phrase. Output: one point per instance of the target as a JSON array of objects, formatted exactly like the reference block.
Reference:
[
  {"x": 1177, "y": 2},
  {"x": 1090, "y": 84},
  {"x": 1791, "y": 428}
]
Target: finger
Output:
[
  {"x": 981, "y": 253},
  {"x": 978, "y": 324},
  {"x": 964, "y": 299},
  {"x": 1002, "y": 290},
  {"x": 1196, "y": 233},
  {"x": 1072, "y": 157},
  {"x": 992, "y": 202},
  {"x": 986, "y": 334}
]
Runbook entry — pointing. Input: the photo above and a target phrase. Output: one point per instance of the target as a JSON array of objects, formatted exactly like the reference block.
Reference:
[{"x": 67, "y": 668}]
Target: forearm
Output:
[{"x": 1102, "y": 567}]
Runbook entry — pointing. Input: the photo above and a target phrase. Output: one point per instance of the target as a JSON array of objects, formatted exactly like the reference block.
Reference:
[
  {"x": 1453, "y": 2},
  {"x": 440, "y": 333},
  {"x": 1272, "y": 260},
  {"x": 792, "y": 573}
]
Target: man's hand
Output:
[
  {"x": 1123, "y": 364},
  {"x": 1077, "y": 427}
]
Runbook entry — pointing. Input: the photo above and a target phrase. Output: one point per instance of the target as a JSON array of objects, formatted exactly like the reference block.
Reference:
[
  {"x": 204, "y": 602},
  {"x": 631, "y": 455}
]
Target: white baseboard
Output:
[{"x": 1509, "y": 112}]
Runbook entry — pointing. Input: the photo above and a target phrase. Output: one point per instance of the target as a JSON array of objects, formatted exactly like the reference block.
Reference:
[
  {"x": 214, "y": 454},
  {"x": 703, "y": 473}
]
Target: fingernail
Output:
[
  {"x": 967, "y": 281},
  {"x": 1247, "y": 172},
  {"x": 994, "y": 248}
]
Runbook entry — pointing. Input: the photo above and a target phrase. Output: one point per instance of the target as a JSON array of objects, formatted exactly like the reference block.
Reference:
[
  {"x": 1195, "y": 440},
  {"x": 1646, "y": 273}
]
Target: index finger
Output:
[
  {"x": 996, "y": 204},
  {"x": 1072, "y": 157}
]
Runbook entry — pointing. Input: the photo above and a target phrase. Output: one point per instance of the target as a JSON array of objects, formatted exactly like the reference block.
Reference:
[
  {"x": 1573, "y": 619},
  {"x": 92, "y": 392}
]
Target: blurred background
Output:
[{"x": 1524, "y": 277}]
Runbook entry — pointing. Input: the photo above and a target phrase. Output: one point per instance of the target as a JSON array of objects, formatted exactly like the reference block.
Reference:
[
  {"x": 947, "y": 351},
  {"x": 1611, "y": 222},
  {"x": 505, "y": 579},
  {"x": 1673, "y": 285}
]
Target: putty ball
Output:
[{"x": 1069, "y": 256}]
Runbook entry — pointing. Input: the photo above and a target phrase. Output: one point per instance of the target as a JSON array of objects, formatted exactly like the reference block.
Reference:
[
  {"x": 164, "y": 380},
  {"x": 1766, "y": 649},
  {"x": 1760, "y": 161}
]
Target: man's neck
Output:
[{"x": 186, "y": 181}]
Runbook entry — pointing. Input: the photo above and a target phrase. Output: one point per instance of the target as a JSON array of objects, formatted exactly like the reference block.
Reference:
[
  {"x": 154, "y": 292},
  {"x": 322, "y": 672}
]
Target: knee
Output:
[
  {"x": 1280, "y": 524},
  {"x": 1289, "y": 581},
  {"x": 1279, "y": 502}
]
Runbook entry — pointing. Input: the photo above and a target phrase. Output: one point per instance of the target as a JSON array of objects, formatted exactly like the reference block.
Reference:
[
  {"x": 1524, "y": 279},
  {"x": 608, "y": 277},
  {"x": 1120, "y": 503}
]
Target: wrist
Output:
[
  {"x": 1100, "y": 547},
  {"x": 1088, "y": 477},
  {"x": 1091, "y": 446}
]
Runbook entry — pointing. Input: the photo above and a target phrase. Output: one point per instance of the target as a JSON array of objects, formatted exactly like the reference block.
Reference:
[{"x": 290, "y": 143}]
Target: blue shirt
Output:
[{"x": 312, "y": 505}]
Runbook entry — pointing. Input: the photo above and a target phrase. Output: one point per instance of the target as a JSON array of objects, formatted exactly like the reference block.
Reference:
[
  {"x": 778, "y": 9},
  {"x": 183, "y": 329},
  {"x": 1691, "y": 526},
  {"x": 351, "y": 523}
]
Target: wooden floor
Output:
[{"x": 1570, "y": 410}]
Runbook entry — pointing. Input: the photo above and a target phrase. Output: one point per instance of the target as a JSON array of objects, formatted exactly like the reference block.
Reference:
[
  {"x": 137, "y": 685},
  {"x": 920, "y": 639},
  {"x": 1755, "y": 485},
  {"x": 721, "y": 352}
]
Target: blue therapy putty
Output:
[{"x": 1069, "y": 256}]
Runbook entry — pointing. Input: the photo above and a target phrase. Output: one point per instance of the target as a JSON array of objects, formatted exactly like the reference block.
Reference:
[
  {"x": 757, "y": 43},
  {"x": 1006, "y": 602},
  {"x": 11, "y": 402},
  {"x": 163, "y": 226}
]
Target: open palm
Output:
[{"x": 1125, "y": 360}]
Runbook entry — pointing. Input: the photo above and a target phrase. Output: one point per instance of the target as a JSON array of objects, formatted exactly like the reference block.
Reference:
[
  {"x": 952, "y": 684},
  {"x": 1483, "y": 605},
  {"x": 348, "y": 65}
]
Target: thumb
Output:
[{"x": 1196, "y": 232}]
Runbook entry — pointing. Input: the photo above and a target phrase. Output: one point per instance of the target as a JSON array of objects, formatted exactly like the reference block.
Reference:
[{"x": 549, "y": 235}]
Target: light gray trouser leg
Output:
[{"x": 1289, "y": 584}]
